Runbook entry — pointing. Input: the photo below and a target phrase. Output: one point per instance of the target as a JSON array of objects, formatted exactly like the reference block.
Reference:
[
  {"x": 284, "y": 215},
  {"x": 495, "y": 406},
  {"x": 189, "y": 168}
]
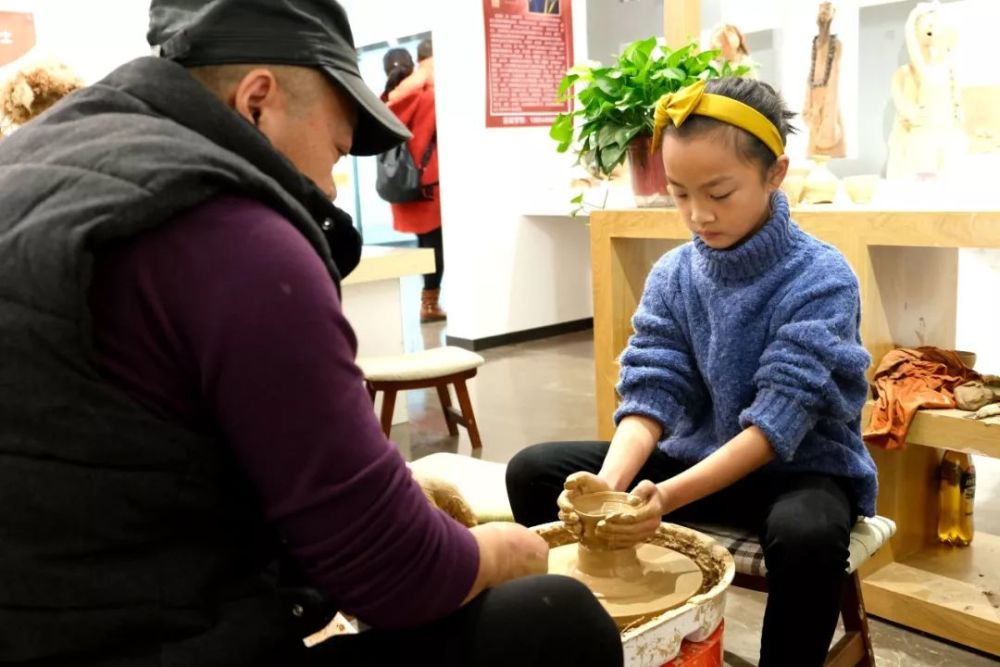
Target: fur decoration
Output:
[{"x": 32, "y": 90}]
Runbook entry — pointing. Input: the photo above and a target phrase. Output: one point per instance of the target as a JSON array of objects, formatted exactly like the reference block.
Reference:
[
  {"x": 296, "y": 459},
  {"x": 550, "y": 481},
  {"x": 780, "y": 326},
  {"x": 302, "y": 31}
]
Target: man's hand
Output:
[{"x": 507, "y": 551}]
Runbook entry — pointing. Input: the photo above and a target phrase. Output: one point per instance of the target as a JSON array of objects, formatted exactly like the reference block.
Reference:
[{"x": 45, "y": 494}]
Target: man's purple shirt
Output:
[{"x": 226, "y": 320}]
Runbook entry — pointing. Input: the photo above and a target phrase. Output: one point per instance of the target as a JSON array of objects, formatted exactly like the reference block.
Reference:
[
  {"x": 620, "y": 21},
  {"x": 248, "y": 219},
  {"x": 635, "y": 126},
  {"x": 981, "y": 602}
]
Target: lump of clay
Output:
[
  {"x": 991, "y": 410},
  {"x": 446, "y": 497},
  {"x": 974, "y": 395}
]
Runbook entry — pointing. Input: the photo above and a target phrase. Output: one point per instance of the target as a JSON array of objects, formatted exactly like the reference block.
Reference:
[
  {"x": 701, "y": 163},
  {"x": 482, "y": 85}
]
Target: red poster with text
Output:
[
  {"x": 529, "y": 47},
  {"x": 17, "y": 36}
]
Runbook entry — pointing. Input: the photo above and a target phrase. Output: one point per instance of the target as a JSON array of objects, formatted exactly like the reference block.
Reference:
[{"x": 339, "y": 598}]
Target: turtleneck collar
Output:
[{"x": 755, "y": 255}]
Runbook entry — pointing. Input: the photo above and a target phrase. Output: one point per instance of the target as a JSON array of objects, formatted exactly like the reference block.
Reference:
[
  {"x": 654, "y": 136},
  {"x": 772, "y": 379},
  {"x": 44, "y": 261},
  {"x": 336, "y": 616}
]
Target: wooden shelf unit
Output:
[
  {"x": 951, "y": 429},
  {"x": 907, "y": 267},
  {"x": 953, "y": 592}
]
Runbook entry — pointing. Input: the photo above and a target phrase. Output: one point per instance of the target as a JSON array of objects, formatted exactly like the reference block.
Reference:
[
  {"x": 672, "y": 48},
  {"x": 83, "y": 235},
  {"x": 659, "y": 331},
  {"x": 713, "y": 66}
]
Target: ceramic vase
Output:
[
  {"x": 821, "y": 185},
  {"x": 861, "y": 189}
]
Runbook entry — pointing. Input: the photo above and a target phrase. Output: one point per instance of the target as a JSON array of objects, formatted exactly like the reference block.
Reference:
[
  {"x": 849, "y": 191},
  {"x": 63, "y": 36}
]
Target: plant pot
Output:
[{"x": 649, "y": 181}]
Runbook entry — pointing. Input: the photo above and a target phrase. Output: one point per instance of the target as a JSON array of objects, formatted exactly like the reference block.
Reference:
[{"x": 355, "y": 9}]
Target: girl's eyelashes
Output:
[{"x": 684, "y": 195}]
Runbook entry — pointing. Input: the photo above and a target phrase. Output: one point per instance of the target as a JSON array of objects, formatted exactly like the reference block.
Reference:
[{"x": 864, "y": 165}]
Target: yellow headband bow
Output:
[{"x": 676, "y": 107}]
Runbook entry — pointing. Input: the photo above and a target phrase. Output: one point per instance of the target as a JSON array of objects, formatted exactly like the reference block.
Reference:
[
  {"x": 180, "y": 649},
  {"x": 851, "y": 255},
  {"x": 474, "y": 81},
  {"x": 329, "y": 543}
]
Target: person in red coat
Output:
[{"x": 410, "y": 94}]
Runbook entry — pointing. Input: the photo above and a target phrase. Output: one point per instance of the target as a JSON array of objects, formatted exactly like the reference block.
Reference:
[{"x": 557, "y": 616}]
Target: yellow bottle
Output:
[
  {"x": 966, "y": 528},
  {"x": 949, "y": 498},
  {"x": 956, "y": 493}
]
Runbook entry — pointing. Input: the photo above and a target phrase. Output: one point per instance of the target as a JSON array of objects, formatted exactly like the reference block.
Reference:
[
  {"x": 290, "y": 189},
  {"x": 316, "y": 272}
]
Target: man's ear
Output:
[{"x": 256, "y": 94}]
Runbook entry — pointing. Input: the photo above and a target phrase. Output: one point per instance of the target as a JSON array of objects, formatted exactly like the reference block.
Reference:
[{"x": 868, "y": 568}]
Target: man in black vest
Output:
[{"x": 191, "y": 473}]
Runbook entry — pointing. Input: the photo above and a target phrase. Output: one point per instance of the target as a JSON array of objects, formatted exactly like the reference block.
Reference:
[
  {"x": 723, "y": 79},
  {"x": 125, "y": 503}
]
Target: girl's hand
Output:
[
  {"x": 578, "y": 484},
  {"x": 629, "y": 529}
]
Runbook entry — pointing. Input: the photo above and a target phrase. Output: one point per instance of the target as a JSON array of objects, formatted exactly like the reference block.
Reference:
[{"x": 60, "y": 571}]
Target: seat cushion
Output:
[
  {"x": 424, "y": 365},
  {"x": 482, "y": 483},
  {"x": 867, "y": 537}
]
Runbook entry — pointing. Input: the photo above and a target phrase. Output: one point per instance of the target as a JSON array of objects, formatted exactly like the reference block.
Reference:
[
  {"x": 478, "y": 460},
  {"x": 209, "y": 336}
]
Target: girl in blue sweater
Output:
[{"x": 742, "y": 386}]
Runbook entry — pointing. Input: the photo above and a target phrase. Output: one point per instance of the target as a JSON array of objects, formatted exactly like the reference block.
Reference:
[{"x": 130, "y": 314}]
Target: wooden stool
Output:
[{"x": 438, "y": 368}]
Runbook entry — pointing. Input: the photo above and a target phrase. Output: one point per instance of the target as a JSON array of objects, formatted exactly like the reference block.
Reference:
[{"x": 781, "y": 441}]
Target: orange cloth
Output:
[{"x": 908, "y": 380}]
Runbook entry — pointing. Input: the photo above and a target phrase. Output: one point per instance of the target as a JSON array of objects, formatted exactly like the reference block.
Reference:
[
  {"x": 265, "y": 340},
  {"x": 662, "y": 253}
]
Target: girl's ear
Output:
[{"x": 776, "y": 174}]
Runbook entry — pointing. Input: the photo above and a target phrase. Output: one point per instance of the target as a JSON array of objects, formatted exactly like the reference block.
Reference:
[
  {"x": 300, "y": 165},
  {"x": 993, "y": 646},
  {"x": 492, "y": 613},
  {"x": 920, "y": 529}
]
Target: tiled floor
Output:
[{"x": 544, "y": 390}]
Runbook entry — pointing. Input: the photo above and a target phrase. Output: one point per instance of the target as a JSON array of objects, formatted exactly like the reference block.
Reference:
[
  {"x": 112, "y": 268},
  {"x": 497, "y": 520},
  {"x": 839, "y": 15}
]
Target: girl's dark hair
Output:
[
  {"x": 755, "y": 94},
  {"x": 398, "y": 64}
]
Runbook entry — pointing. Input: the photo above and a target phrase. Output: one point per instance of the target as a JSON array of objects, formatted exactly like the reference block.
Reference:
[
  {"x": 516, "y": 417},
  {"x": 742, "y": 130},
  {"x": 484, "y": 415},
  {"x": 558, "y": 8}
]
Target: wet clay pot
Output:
[
  {"x": 630, "y": 582},
  {"x": 650, "y": 637},
  {"x": 595, "y": 507}
]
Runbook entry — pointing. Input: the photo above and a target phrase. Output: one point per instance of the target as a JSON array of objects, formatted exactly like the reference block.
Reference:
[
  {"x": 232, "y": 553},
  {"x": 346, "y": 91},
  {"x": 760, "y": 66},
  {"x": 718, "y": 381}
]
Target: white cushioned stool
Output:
[
  {"x": 438, "y": 368},
  {"x": 483, "y": 484}
]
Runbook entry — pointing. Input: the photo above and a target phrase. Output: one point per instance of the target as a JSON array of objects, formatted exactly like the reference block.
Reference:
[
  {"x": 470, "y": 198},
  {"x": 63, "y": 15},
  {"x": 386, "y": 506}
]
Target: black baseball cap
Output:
[{"x": 309, "y": 33}]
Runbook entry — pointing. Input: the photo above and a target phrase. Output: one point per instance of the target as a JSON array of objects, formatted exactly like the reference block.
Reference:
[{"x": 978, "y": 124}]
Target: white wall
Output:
[
  {"x": 374, "y": 21},
  {"x": 93, "y": 36},
  {"x": 613, "y": 24},
  {"x": 507, "y": 272},
  {"x": 97, "y": 35},
  {"x": 504, "y": 272}
]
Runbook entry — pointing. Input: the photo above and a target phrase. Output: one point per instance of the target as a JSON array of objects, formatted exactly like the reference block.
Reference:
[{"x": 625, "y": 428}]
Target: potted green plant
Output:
[{"x": 613, "y": 116}]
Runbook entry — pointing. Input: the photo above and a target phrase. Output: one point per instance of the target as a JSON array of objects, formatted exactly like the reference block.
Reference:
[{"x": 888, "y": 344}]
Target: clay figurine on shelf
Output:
[
  {"x": 822, "y": 109},
  {"x": 927, "y": 137},
  {"x": 728, "y": 39}
]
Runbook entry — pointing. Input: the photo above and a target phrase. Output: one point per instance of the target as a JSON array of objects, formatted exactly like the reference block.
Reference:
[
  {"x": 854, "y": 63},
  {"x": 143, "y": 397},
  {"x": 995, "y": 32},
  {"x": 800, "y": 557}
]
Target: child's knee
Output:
[{"x": 807, "y": 546}]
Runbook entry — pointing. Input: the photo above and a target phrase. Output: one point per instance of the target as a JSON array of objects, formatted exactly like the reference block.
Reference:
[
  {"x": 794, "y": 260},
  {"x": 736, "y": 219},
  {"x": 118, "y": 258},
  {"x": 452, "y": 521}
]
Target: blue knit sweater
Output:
[{"x": 763, "y": 334}]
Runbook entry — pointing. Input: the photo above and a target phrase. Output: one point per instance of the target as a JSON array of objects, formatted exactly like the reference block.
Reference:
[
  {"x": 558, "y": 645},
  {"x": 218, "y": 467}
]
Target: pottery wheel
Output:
[{"x": 663, "y": 580}]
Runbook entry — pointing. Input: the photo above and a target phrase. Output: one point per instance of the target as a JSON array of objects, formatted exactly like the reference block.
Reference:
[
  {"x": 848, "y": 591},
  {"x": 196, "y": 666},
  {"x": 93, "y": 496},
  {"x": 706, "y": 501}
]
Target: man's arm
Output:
[{"x": 232, "y": 306}]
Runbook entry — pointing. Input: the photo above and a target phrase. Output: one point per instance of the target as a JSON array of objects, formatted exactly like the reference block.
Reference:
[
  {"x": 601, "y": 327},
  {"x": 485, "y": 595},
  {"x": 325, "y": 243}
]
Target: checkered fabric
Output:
[{"x": 867, "y": 537}]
